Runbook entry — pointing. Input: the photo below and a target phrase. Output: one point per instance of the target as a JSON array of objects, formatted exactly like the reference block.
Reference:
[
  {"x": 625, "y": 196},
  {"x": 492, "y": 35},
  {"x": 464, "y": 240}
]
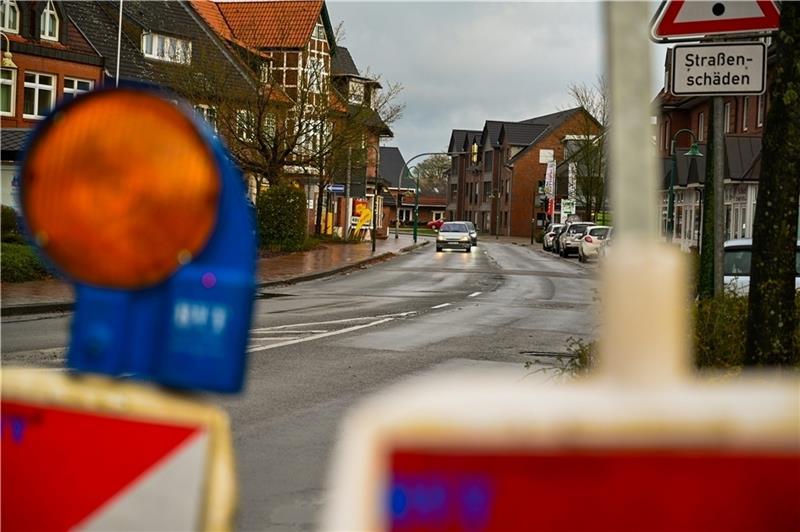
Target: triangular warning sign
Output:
[{"x": 683, "y": 18}]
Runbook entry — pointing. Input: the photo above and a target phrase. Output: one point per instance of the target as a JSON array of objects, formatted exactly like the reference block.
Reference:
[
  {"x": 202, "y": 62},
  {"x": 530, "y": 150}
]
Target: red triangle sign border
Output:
[{"x": 666, "y": 25}]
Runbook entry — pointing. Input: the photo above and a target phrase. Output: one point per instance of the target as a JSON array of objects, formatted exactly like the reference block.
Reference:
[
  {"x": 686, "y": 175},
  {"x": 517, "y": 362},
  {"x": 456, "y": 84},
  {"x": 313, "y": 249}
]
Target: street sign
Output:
[
  {"x": 335, "y": 188},
  {"x": 98, "y": 454},
  {"x": 715, "y": 69},
  {"x": 682, "y": 19}
]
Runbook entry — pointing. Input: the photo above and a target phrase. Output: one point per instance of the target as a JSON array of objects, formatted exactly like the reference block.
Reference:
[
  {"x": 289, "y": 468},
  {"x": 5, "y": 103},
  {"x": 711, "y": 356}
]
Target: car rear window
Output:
[
  {"x": 599, "y": 232},
  {"x": 737, "y": 261},
  {"x": 454, "y": 228}
]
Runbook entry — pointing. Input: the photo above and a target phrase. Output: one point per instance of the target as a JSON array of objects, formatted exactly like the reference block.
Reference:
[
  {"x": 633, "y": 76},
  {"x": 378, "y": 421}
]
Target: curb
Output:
[
  {"x": 341, "y": 269},
  {"x": 67, "y": 306}
]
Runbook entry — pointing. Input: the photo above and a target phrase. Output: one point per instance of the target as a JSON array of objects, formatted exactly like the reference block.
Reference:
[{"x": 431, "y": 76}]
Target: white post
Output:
[{"x": 119, "y": 44}]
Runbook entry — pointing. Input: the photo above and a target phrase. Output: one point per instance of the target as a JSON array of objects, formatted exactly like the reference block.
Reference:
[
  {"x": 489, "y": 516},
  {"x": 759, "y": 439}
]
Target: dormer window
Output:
[
  {"x": 49, "y": 22},
  {"x": 172, "y": 49},
  {"x": 9, "y": 16},
  {"x": 356, "y": 92}
]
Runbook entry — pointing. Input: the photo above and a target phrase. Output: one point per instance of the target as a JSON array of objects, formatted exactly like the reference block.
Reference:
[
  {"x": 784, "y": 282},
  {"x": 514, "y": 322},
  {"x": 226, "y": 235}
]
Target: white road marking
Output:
[
  {"x": 262, "y": 332},
  {"x": 318, "y": 336},
  {"x": 347, "y": 320},
  {"x": 473, "y": 294},
  {"x": 273, "y": 338},
  {"x": 442, "y": 305}
]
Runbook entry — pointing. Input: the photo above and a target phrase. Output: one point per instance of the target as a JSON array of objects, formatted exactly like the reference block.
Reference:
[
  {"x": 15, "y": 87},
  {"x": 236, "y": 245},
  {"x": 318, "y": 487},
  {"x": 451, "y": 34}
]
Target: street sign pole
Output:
[
  {"x": 719, "y": 192},
  {"x": 347, "y": 197}
]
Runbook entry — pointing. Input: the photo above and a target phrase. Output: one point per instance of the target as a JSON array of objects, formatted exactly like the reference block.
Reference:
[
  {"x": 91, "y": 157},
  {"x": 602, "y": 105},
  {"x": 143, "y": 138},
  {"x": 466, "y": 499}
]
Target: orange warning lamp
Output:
[{"x": 121, "y": 190}]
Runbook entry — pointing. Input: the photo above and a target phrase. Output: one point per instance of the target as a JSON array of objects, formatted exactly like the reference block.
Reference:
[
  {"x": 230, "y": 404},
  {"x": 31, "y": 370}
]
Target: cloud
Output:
[{"x": 464, "y": 63}]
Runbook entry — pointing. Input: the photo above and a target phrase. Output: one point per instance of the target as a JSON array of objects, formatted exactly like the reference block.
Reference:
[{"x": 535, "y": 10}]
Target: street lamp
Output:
[
  {"x": 7, "y": 62},
  {"x": 375, "y": 192},
  {"x": 400, "y": 184},
  {"x": 694, "y": 152}
]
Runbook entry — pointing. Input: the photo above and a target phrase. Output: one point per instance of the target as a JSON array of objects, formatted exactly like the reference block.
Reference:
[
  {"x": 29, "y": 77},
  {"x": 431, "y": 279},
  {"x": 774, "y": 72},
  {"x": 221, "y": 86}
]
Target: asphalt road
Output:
[{"x": 317, "y": 347}]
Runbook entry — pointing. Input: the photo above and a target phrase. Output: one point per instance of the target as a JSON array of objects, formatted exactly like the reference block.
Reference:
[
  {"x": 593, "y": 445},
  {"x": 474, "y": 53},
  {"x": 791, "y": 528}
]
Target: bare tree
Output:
[
  {"x": 431, "y": 171},
  {"x": 587, "y": 151}
]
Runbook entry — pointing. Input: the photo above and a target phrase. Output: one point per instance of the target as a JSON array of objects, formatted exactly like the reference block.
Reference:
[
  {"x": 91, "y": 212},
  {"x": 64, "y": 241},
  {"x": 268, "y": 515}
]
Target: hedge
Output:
[{"x": 21, "y": 263}]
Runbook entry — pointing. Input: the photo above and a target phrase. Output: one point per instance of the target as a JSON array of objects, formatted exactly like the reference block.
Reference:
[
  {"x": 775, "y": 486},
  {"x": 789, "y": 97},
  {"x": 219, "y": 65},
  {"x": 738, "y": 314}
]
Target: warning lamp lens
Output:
[{"x": 120, "y": 190}]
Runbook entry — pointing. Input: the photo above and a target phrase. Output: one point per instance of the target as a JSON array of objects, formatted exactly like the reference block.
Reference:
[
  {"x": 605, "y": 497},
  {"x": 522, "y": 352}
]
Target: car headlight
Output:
[
  {"x": 464, "y": 239},
  {"x": 439, "y": 238}
]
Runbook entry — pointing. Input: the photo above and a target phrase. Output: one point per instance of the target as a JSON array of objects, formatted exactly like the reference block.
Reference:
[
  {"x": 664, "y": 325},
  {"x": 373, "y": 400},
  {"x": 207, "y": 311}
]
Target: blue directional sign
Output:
[
  {"x": 135, "y": 201},
  {"x": 335, "y": 188}
]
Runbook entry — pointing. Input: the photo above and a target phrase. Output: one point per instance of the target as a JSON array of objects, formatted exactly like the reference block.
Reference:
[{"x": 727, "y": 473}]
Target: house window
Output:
[
  {"x": 487, "y": 190},
  {"x": 207, "y": 113},
  {"x": 727, "y": 117},
  {"x": 49, "y": 22},
  {"x": 374, "y": 97},
  {"x": 701, "y": 127},
  {"x": 165, "y": 48},
  {"x": 666, "y": 135},
  {"x": 314, "y": 74},
  {"x": 405, "y": 215},
  {"x": 270, "y": 126},
  {"x": 9, "y": 16},
  {"x": 745, "y": 111},
  {"x": 244, "y": 125},
  {"x": 356, "y": 92},
  {"x": 38, "y": 96},
  {"x": 264, "y": 72},
  {"x": 487, "y": 161},
  {"x": 438, "y": 215},
  {"x": 319, "y": 32},
  {"x": 73, "y": 87},
  {"x": 8, "y": 91},
  {"x": 760, "y": 113}
]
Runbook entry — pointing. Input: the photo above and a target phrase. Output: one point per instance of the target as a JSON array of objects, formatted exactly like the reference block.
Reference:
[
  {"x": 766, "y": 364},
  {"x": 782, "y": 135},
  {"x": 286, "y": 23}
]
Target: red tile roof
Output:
[
  {"x": 210, "y": 12},
  {"x": 272, "y": 23}
]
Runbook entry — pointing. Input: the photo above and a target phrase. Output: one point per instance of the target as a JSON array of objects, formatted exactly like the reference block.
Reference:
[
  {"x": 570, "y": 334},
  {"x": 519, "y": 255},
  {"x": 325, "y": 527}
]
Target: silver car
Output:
[
  {"x": 736, "y": 266},
  {"x": 454, "y": 235},
  {"x": 569, "y": 240}
]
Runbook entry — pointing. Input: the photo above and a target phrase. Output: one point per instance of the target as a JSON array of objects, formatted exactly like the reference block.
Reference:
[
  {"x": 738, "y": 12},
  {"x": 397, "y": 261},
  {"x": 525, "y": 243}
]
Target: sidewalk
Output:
[{"x": 53, "y": 295}]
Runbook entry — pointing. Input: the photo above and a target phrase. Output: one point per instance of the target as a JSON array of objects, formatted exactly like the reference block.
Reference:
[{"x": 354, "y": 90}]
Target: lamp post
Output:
[
  {"x": 7, "y": 62},
  {"x": 400, "y": 184},
  {"x": 375, "y": 192},
  {"x": 694, "y": 151}
]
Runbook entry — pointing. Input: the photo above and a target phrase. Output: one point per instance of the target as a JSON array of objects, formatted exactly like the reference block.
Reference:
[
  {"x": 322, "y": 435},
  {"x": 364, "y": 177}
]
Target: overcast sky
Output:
[{"x": 464, "y": 63}]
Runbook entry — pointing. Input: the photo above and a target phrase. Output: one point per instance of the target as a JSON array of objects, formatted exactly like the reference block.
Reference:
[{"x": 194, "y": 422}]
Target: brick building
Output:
[
  {"x": 54, "y": 61},
  {"x": 744, "y": 122},
  {"x": 497, "y": 190}
]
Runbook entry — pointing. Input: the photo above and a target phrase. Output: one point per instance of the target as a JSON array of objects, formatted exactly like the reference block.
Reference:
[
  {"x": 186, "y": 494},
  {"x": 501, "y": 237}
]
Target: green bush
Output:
[
  {"x": 718, "y": 335},
  {"x": 9, "y": 225},
  {"x": 282, "y": 218},
  {"x": 21, "y": 263}
]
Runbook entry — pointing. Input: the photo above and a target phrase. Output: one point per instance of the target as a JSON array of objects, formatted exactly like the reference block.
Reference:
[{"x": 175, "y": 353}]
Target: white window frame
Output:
[
  {"x": 208, "y": 113},
  {"x": 49, "y": 21},
  {"x": 244, "y": 125},
  {"x": 13, "y": 84},
  {"x": 727, "y": 118},
  {"x": 264, "y": 71},
  {"x": 319, "y": 32},
  {"x": 405, "y": 214},
  {"x": 166, "y": 48},
  {"x": 438, "y": 215},
  {"x": 38, "y": 87},
  {"x": 745, "y": 111},
  {"x": 701, "y": 127},
  {"x": 6, "y": 7},
  {"x": 356, "y": 92},
  {"x": 74, "y": 91},
  {"x": 760, "y": 114}
]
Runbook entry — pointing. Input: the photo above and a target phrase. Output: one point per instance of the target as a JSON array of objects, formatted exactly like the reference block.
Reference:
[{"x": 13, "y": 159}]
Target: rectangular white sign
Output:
[
  {"x": 717, "y": 69},
  {"x": 546, "y": 156}
]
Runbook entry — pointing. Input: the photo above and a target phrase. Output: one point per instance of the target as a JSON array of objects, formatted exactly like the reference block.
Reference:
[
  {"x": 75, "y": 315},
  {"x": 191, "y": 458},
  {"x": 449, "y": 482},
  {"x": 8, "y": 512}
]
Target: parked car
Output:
[
  {"x": 549, "y": 236},
  {"x": 454, "y": 235},
  {"x": 736, "y": 266},
  {"x": 556, "y": 247},
  {"x": 570, "y": 237},
  {"x": 435, "y": 224},
  {"x": 605, "y": 249},
  {"x": 592, "y": 241}
]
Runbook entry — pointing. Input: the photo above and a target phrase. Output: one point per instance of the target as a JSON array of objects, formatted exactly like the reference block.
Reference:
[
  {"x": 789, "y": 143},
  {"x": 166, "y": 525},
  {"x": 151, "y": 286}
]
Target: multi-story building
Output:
[
  {"x": 744, "y": 122},
  {"x": 495, "y": 180}
]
